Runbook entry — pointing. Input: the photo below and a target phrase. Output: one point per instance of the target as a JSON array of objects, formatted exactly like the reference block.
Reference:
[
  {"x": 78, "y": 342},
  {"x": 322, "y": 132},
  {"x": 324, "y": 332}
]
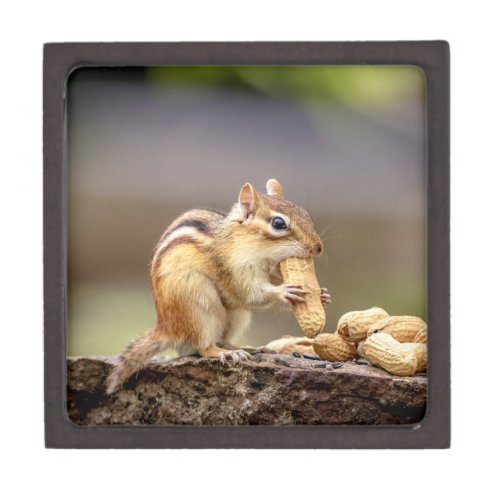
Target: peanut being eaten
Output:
[{"x": 310, "y": 314}]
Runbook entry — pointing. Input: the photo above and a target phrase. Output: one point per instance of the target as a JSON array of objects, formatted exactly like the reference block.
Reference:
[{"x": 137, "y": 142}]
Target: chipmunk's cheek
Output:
[
  {"x": 279, "y": 253},
  {"x": 297, "y": 251}
]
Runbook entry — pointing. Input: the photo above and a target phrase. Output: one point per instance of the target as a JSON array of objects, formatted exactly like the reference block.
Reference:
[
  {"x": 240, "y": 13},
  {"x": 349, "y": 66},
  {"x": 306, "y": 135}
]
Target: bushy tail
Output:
[{"x": 137, "y": 353}]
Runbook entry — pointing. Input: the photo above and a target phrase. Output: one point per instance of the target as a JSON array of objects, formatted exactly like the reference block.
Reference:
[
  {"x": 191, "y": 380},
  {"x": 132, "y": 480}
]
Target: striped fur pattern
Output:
[{"x": 210, "y": 270}]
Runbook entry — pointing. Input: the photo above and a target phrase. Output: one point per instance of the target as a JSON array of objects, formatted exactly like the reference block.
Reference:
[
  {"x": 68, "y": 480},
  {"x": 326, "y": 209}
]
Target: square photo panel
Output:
[{"x": 247, "y": 245}]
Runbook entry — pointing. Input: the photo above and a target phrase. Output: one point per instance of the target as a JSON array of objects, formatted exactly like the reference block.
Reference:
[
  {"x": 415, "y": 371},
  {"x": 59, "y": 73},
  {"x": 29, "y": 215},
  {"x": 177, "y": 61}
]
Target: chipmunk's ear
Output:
[
  {"x": 274, "y": 188},
  {"x": 248, "y": 199}
]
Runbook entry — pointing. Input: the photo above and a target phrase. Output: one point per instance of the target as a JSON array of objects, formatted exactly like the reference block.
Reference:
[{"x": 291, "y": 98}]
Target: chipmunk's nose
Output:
[{"x": 317, "y": 248}]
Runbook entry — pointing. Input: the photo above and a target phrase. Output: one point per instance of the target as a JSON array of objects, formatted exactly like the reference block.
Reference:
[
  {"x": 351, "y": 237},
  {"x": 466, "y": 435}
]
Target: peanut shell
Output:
[
  {"x": 420, "y": 351},
  {"x": 311, "y": 313},
  {"x": 332, "y": 347},
  {"x": 381, "y": 349},
  {"x": 353, "y": 326},
  {"x": 359, "y": 349},
  {"x": 402, "y": 328},
  {"x": 421, "y": 336},
  {"x": 289, "y": 345}
]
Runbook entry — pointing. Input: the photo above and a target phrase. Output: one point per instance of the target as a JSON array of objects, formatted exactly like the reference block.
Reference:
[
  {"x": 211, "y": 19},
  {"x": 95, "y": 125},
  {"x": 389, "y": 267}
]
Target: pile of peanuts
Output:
[{"x": 398, "y": 344}]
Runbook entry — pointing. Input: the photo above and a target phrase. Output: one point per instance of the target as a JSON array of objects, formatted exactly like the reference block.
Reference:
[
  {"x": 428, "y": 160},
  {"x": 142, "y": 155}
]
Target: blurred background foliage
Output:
[
  {"x": 145, "y": 144},
  {"x": 379, "y": 85}
]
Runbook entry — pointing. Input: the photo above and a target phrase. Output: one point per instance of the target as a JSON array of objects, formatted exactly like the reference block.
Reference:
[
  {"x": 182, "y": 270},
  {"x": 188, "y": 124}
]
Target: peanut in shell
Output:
[
  {"x": 289, "y": 345},
  {"x": 382, "y": 350},
  {"x": 420, "y": 351},
  {"x": 353, "y": 326},
  {"x": 421, "y": 336},
  {"x": 332, "y": 347},
  {"x": 359, "y": 349},
  {"x": 402, "y": 328},
  {"x": 311, "y": 313}
]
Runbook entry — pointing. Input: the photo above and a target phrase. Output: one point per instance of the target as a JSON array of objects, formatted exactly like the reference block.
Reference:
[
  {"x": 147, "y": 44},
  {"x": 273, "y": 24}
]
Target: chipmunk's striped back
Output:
[
  {"x": 197, "y": 221},
  {"x": 194, "y": 227}
]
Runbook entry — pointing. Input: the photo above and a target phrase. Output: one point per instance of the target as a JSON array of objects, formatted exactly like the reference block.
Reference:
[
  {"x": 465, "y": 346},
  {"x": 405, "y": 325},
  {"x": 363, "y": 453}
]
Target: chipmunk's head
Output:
[{"x": 275, "y": 225}]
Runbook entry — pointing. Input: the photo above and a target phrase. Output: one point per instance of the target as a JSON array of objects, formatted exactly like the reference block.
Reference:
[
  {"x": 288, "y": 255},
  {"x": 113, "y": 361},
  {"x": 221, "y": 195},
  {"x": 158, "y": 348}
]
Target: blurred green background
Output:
[{"x": 146, "y": 144}]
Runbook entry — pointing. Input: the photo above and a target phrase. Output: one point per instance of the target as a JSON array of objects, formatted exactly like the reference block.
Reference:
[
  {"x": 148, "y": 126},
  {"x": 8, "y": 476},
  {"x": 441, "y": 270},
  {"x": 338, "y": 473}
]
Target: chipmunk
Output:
[{"x": 210, "y": 270}]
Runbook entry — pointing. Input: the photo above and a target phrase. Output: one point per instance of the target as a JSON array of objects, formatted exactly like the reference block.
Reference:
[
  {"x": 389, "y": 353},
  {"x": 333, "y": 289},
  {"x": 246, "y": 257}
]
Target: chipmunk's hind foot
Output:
[
  {"x": 226, "y": 356},
  {"x": 233, "y": 357}
]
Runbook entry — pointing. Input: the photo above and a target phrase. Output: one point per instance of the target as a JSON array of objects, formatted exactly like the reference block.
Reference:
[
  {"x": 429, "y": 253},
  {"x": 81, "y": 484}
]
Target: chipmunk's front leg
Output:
[{"x": 287, "y": 293}]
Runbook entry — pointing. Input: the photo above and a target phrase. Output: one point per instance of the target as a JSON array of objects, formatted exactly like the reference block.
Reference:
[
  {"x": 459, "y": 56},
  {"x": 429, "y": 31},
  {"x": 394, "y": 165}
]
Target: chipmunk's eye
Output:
[{"x": 278, "y": 223}]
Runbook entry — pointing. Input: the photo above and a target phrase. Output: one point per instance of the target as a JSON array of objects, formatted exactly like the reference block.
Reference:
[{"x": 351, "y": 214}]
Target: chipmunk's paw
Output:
[
  {"x": 291, "y": 293},
  {"x": 325, "y": 297},
  {"x": 230, "y": 357}
]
